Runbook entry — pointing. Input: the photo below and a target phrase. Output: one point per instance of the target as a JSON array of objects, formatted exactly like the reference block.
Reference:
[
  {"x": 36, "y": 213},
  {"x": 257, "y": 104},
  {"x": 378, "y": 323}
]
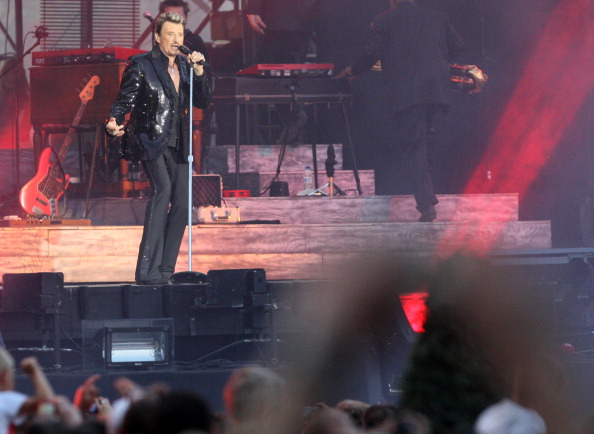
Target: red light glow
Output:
[{"x": 554, "y": 85}]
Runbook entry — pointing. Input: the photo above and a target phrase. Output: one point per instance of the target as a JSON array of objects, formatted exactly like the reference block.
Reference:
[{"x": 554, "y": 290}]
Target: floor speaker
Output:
[
  {"x": 31, "y": 292},
  {"x": 230, "y": 287}
]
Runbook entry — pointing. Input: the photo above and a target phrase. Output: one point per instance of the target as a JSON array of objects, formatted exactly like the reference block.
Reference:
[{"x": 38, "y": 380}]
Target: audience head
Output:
[
  {"x": 485, "y": 339},
  {"x": 326, "y": 420},
  {"x": 253, "y": 394},
  {"x": 179, "y": 411},
  {"x": 355, "y": 409},
  {"x": 140, "y": 417},
  {"x": 508, "y": 417},
  {"x": 382, "y": 418},
  {"x": 388, "y": 419},
  {"x": 6, "y": 370}
]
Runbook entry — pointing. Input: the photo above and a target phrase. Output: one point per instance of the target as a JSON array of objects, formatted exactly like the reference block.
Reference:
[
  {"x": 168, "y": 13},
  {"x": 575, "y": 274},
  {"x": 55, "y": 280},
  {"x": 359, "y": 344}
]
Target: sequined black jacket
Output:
[{"x": 147, "y": 93}]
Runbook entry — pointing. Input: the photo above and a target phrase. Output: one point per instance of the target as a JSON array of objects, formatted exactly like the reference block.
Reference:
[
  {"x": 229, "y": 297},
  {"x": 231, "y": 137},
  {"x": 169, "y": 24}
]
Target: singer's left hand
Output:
[{"x": 194, "y": 58}]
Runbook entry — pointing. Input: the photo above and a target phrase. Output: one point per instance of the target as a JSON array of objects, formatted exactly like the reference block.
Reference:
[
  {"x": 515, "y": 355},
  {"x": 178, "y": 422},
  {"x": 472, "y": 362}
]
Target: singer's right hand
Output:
[
  {"x": 195, "y": 58},
  {"x": 256, "y": 22},
  {"x": 113, "y": 128}
]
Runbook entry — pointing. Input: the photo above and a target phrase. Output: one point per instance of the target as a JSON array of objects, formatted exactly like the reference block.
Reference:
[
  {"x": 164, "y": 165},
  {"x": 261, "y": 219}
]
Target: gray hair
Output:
[{"x": 169, "y": 17}]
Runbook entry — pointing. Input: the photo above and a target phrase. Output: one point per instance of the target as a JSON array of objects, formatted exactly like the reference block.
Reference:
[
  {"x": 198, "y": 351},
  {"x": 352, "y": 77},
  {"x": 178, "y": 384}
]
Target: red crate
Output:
[{"x": 236, "y": 193}]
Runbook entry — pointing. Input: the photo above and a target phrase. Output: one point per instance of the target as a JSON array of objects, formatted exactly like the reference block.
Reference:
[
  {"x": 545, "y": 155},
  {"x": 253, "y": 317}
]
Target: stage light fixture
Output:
[
  {"x": 137, "y": 346},
  {"x": 128, "y": 344}
]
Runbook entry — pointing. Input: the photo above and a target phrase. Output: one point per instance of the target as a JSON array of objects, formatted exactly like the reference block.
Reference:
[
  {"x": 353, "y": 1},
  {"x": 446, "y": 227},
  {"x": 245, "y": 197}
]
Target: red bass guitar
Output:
[{"x": 40, "y": 195}]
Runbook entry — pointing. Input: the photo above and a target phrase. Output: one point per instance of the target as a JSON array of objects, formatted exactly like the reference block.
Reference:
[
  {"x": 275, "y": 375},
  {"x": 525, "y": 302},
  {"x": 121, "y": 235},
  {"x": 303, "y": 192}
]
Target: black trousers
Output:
[
  {"x": 415, "y": 129},
  {"x": 166, "y": 216}
]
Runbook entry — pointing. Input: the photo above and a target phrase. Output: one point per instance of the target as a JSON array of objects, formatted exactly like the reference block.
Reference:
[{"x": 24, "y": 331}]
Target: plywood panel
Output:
[
  {"x": 108, "y": 254},
  {"x": 25, "y": 264},
  {"x": 231, "y": 238},
  {"x": 338, "y": 209},
  {"x": 96, "y": 268},
  {"x": 419, "y": 237},
  {"x": 236, "y": 239},
  {"x": 23, "y": 242},
  {"x": 375, "y": 209},
  {"x": 95, "y": 241}
]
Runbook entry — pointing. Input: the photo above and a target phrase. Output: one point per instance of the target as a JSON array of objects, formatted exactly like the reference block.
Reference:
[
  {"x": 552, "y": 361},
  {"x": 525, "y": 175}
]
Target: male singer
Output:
[
  {"x": 194, "y": 42},
  {"x": 155, "y": 92}
]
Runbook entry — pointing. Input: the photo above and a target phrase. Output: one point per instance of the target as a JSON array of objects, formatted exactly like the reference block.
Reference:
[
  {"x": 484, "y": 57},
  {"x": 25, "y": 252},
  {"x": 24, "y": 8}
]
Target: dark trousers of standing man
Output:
[
  {"x": 164, "y": 225},
  {"x": 415, "y": 127}
]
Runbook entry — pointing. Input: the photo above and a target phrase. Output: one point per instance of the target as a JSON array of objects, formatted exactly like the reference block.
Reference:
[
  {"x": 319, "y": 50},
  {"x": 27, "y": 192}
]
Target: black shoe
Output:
[
  {"x": 160, "y": 281},
  {"x": 428, "y": 216}
]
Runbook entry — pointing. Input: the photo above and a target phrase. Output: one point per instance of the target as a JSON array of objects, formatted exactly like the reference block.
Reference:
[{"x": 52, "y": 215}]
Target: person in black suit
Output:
[
  {"x": 285, "y": 26},
  {"x": 155, "y": 92},
  {"x": 415, "y": 46},
  {"x": 195, "y": 43}
]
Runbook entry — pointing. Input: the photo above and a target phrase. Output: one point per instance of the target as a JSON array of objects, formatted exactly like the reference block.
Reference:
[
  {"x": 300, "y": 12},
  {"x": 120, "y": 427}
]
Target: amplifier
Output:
[
  {"x": 230, "y": 287},
  {"x": 54, "y": 95},
  {"x": 75, "y": 57},
  {"x": 31, "y": 292}
]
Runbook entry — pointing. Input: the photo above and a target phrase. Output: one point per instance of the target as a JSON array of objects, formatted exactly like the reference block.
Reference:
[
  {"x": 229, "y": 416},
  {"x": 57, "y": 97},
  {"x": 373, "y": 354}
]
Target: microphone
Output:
[
  {"x": 185, "y": 50},
  {"x": 149, "y": 17},
  {"x": 41, "y": 32}
]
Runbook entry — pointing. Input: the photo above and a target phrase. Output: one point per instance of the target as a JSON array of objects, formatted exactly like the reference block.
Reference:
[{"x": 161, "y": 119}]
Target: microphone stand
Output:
[
  {"x": 333, "y": 189},
  {"x": 190, "y": 276},
  {"x": 190, "y": 167}
]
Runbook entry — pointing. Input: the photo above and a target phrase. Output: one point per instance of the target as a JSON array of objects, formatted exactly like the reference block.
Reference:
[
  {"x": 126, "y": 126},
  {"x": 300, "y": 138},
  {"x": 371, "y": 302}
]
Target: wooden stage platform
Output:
[{"x": 313, "y": 237}]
